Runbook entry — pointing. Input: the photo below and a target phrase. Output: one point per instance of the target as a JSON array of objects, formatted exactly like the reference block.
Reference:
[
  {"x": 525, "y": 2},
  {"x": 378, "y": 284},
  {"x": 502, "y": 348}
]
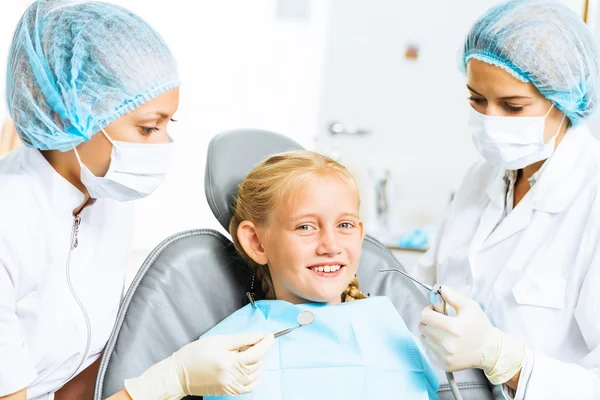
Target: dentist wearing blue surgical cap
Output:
[
  {"x": 519, "y": 249},
  {"x": 91, "y": 88}
]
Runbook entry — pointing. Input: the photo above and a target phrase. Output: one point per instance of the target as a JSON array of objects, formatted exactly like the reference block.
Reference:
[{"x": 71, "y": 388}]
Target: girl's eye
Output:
[
  {"x": 346, "y": 225},
  {"x": 305, "y": 228}
]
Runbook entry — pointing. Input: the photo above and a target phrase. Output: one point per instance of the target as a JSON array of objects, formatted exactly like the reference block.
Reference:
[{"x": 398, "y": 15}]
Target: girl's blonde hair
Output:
[{"x": 267, "y": 185}]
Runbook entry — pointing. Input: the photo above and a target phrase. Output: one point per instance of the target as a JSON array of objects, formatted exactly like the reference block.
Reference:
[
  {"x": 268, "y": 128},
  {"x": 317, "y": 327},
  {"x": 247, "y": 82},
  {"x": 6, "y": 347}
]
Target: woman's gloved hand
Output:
[
  {"x": 207, "y": 367},
  {"x": 469, "y": 340}
]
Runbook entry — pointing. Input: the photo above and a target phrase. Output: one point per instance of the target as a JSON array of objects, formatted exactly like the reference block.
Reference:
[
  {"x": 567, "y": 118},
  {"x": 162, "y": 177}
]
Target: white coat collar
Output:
[
  {"x": 62, "y": 195},
  {"x": 565, "y": 172},
  {"x": 496, "y": 189}
]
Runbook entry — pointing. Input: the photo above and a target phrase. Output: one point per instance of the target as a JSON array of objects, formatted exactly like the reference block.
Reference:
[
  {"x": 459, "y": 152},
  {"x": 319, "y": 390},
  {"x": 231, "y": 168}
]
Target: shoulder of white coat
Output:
[
  {"x": 476, "y": 180},
  {"x": 589, "y": 143},
  {"x": 590, "y": 159},
  {"x": 481, "y": 170},
  {"x": 18, "y": 189},
  {"x": 123, "y": 211}
]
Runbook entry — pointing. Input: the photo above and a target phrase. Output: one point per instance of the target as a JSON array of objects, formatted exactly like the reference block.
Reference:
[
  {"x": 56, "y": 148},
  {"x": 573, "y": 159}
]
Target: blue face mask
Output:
[{"x": 135, "y": 171}]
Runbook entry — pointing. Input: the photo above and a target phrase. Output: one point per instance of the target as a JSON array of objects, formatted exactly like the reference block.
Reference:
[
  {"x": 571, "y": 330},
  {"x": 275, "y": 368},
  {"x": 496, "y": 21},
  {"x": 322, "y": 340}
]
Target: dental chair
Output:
[{"x": 195, "y": 279}]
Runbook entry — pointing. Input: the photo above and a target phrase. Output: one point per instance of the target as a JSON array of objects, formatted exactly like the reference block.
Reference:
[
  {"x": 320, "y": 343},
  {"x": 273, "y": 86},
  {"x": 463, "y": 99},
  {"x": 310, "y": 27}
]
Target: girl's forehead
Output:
[{"x": 319, "y": 198}]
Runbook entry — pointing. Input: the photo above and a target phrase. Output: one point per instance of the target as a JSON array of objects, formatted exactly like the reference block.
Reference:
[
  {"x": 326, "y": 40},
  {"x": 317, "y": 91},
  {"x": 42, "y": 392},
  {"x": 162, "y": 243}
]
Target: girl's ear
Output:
[{"x": 247, "y": 234}]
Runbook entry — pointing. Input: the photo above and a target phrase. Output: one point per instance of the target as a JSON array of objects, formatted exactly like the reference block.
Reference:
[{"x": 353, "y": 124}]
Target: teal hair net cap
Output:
[
  {"x": 542, "y": 42},
  {"x": 76, "y": 66}
]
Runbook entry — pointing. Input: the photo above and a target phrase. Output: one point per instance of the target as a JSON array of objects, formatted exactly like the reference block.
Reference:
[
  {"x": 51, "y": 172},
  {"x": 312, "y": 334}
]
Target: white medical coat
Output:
[
  {"x": 536, "y": 274},
  {"x": 43, "y": 331}
]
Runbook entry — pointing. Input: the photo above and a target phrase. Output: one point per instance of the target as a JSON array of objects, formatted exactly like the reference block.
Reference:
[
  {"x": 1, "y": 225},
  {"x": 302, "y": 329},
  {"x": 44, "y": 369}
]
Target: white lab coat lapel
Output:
[
  {"x": 566, "y": 173},
  {"x": 514, "y": 222},
  {"x": 490, "y": 217}
]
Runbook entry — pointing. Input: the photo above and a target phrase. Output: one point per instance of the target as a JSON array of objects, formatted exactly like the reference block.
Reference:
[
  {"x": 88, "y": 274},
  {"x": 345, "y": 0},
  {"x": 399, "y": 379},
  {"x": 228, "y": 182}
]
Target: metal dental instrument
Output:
[
  {"x": 435, "y": 292},
  {"x": 439, "y": 305},
  {"x": 426, "y": 287},
  {"x": 304, "y": 318}
]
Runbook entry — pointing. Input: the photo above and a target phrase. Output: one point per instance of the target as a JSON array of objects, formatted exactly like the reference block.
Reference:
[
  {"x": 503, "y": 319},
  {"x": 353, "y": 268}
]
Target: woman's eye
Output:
[
  {"x": 148, "y": 130},
  {"x": 513, "y": 109},
  {"x": 477, "y": 100},
  {"x": 305, "y": 228},
  {"x": 346, "y": 225}
]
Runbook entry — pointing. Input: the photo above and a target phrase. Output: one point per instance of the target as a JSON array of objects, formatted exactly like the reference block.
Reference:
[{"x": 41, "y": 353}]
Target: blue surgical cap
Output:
[
  {"x": 542, "y": 42},
  {"x": 76, "y": 66}
]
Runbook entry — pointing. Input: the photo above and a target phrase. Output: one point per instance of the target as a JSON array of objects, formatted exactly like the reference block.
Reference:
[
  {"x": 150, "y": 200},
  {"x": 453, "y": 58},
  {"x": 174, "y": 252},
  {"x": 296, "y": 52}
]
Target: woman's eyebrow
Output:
[
  {"x": 153, "y": 115},
  {"x": 474, "y": 91},
  {"x": 515, "y": 97}
]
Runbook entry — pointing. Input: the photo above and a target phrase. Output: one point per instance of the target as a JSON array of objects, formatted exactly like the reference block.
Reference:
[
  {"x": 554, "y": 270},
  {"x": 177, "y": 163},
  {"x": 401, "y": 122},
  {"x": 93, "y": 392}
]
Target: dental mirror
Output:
[{"x": 304, "y": 318}]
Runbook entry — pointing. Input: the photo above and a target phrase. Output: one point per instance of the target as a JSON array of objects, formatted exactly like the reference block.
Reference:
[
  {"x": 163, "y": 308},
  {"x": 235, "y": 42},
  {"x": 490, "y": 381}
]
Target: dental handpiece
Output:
[{"x": 436, "y": 300}]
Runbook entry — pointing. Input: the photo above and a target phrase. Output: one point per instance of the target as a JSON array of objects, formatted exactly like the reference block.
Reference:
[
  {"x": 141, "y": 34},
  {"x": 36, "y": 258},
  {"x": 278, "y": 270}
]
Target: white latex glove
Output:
[
  {"x": 210, "y": 366},
  {"x": 469, "y": 340}
]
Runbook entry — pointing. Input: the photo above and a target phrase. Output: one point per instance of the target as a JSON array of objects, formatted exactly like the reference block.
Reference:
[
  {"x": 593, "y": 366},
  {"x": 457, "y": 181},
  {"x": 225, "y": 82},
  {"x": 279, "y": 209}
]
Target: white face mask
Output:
[
  {"x": 511, "y": 143},
  {"x": 135, "y": 171}
]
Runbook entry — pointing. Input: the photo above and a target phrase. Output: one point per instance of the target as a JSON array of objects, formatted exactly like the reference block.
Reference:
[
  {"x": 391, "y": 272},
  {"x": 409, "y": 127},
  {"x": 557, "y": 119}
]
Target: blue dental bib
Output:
[{"x": 352, "y": 351}]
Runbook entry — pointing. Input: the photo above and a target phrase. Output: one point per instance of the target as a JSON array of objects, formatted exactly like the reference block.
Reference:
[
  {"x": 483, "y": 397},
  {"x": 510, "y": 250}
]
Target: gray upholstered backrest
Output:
[
  {"x": 231, "y": 156},
  {"x": 189, "y": 283},
  {"x": 195, "y": 279}
]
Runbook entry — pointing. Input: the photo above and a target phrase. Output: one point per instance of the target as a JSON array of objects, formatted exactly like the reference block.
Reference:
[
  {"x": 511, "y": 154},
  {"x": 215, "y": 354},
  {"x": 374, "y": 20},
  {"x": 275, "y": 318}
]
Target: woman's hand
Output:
[
  {"x": 207, "y": 367},
  {"x": 469, "y": 340}
]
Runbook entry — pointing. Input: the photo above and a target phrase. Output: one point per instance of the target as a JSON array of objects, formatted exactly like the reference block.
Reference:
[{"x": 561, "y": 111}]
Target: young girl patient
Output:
[{"x": 297, "y": 226}]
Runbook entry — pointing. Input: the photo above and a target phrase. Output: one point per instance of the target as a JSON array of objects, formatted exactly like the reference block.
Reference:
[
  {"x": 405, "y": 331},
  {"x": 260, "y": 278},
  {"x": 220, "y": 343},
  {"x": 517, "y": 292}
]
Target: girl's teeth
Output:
[{"x": 327, "y": 268}]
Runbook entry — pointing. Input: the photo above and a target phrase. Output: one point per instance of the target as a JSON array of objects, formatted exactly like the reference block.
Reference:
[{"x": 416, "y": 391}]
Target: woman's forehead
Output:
[{"x": 491, "y": 80}]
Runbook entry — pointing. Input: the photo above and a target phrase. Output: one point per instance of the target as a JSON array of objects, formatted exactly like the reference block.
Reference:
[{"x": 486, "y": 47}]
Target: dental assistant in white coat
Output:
[
  {"x": 91, "y": 88},
  {"x": 519, "y": 249}
]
